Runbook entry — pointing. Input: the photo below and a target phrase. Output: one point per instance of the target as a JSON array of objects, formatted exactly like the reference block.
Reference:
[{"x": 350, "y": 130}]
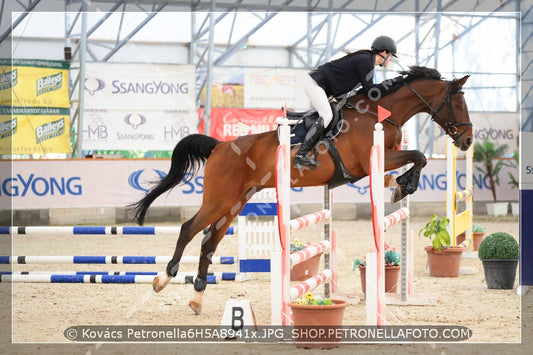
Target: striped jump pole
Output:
[
  {"x": 92, "y": 230},
  {"x": 310, "y": 284},
  {"x": 310, "y": 251},
  {"x": 310, "y": 219},
  {"x": 225, "y": 276},
  {"x": 101, "y": 259},
  {"x": 103, "y": 279}
]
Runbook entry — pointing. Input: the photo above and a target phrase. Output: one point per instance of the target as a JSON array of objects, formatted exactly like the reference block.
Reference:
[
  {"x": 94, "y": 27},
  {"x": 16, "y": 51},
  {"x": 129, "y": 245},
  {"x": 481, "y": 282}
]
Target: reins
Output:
[{"x": 449, "y": 126}]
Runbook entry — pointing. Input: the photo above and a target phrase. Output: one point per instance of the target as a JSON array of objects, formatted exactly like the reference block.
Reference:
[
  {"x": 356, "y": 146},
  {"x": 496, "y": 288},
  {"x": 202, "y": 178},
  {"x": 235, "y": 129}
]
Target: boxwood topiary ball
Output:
[{"x": 499, "y": 245}]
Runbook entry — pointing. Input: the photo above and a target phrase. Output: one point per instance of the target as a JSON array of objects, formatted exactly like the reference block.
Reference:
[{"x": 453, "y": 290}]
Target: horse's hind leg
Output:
[
  {"x": 210, "y": 242},
  {"x": 187, "y": 233},
  {"x": 205, "y": 216}
]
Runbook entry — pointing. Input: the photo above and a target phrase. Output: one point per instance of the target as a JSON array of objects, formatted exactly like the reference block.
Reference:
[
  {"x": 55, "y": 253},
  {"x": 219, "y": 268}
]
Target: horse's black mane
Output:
[
  {"x": 418, "y": 72},
  {"x": 415, "y": 72}
]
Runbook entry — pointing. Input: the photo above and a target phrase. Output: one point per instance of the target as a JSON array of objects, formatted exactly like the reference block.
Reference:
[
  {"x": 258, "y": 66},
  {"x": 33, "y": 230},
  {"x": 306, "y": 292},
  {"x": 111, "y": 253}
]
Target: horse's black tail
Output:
[{"x": 188, "y": 155}]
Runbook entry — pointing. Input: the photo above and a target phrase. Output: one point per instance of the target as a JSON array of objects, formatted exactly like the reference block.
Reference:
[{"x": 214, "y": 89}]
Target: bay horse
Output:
[{"x": 235, "y": 170}]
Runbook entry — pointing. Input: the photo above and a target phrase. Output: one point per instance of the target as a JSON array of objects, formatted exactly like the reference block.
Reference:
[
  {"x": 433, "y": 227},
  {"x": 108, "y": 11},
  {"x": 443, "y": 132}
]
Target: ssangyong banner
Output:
[
  {"x": 136, "y": 129},
  {"x": 228, "y": 123},
  {"x": 122, "y": 86},
  {"x": 138, "y": 106},
  {"x": 500, "y": 128},
  {"x": 101, "y": 183},
  {"x": 274, "y": 88}
]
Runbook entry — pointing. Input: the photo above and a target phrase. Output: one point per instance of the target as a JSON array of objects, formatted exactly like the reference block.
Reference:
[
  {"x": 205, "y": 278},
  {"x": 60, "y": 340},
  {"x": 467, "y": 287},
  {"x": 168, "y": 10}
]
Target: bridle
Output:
[{"x": 449, "y": 126}]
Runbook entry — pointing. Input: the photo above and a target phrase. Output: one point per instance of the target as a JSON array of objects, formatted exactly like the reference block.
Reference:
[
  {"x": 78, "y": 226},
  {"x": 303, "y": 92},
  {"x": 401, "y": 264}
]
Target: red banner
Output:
[{"x": 229, "y": 123}]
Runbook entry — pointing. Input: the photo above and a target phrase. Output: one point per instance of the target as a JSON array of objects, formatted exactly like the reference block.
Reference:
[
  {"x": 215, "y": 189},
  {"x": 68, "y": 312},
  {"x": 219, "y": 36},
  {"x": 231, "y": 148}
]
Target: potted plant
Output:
[
  {"x": 319, "y": 315},
  {"x": 499, "y": 253},
  {"x": 515, "y": 206},
  {"x": 307, "y": 268},
  {"x": 487, "y": 153},
  {"x": 443, "y": 260},
  {"x": 392, "y": 269},
  {"x": 478, "y": 233}
]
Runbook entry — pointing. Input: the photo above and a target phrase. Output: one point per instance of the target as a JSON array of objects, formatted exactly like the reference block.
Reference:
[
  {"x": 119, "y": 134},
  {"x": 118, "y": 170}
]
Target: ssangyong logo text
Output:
[
  {"x": 50, "y": 130},
  {"x": 8, "y": 128},
  {"x": 49, "y": 83},
  {"x": 151, "y": 87}
]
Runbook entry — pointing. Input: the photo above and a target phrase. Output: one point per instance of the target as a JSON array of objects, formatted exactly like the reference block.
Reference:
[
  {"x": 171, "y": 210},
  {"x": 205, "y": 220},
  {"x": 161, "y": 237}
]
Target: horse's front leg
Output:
[{"x": 408, "y": 181}]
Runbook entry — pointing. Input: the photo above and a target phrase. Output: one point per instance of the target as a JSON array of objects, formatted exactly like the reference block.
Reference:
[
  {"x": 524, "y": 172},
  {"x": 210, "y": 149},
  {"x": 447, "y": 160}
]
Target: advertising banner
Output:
[
  {"x": 227, "y": 124},
  {"x": 35, "y": 82},
  {"x": 526, "y": 163},
  {"x": 274, "y": 88},
  {"x": 227, "y": 88},
  {"x": 138, "y": 106},
  {"x": 126, "y": 86},
  {"x": 102, "y": 183},
  {"x": 500, "y": 128},
  {"x": 136, "y": 129},
  {"x": 34, "y": 114}
]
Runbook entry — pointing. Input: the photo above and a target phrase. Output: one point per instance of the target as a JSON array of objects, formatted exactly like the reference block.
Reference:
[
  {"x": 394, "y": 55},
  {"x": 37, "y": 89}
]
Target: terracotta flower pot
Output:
[
  {"x": 305, "y": 270},
  {"x": 311, "y": 321},
  {"x": 445, "y": 262},
  {"x": 392, "y": 274},
  {"x": 477, "y": 236}
]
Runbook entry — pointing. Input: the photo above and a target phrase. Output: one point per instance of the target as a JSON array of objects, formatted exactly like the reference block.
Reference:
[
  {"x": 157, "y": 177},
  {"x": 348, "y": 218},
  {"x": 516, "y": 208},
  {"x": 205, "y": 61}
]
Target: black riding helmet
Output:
[{"x": 384, "y": 43}]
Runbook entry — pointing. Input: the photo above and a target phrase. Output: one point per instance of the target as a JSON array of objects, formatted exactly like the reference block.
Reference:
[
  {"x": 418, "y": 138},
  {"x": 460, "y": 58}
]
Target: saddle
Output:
[
  {"x": 308, "y": 118},
  {"x": 341, "y": 176}
]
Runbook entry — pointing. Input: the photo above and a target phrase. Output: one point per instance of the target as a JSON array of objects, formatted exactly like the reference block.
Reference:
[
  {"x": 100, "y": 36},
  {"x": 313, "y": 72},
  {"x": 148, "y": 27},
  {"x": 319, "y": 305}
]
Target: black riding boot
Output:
[{"x": 311, "y": 139}]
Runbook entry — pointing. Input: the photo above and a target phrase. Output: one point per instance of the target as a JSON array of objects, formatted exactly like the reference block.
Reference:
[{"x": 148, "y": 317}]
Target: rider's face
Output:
[{"x": 384, "y": 58}]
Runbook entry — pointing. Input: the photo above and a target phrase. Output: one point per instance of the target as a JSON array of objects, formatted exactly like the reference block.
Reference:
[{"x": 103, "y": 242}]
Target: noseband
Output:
[{"x": 450, "y": 126}]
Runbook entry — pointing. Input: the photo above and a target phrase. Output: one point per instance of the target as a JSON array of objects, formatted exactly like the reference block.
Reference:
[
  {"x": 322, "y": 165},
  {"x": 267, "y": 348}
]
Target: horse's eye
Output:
[{"x": 459, "y": 107}]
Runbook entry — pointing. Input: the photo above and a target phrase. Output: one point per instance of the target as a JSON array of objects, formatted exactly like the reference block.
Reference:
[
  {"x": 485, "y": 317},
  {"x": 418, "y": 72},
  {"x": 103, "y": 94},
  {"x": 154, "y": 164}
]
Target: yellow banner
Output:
[
  {"x": 36, "y": 83},
  {"x": 34, "y": 107},
  {"x": 31, "y": 130}
]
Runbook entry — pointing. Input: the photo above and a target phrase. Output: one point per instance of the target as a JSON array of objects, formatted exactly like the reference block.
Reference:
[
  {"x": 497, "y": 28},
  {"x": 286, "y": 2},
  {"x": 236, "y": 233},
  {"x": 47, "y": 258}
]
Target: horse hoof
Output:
[
  {"x": 396, "y": 195},
  {"x": 196, "y": 307},
  {"x": 159, "y": 283}
]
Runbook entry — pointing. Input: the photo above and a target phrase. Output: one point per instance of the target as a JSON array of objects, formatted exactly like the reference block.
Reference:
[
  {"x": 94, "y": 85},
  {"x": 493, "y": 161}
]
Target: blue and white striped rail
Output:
[
  {"x": 104, "y": 279},
  {"x": 225, "y": 276},
  {"x": 101, "y": 259},
  {"x": 93, "y": 230}
]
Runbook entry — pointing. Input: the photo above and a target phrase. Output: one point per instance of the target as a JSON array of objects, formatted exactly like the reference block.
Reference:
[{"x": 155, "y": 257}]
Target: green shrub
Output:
[
  {"x": 476, "y": 228},
  {"x": 499, "y": 245}
]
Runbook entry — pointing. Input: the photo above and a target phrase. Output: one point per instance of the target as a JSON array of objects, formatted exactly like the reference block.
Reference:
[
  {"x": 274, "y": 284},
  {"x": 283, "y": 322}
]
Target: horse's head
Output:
[
  {"x": 452, "y": 115},
  {"x": 444, "y": 101}
]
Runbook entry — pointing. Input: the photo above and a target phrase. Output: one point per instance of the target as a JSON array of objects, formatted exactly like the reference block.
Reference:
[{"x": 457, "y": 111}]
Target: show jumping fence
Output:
[
  {"x": 375, "y": 262},
  {"x": 256, "y": 241},
  {"x": 282, "y": 260},
  {"x": 460, "y": 222}
]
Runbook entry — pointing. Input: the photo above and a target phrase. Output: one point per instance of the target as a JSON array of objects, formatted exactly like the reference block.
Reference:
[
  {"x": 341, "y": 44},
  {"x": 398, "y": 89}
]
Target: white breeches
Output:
[{"x": 318, "y": 98}]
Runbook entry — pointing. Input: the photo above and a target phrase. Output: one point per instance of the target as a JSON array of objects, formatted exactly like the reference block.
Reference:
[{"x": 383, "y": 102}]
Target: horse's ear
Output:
[{"x": 458, "y": 83}]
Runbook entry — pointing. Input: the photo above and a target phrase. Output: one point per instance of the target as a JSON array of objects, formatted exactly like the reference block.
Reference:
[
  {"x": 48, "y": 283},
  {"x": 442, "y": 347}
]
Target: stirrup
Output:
[{"x": 301, "y": 161}]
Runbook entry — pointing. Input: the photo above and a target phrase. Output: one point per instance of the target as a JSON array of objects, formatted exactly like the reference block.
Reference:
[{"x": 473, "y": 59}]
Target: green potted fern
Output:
[
  {"x": 444, "y": 260},
  {"x": 499, "y": 252}
]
